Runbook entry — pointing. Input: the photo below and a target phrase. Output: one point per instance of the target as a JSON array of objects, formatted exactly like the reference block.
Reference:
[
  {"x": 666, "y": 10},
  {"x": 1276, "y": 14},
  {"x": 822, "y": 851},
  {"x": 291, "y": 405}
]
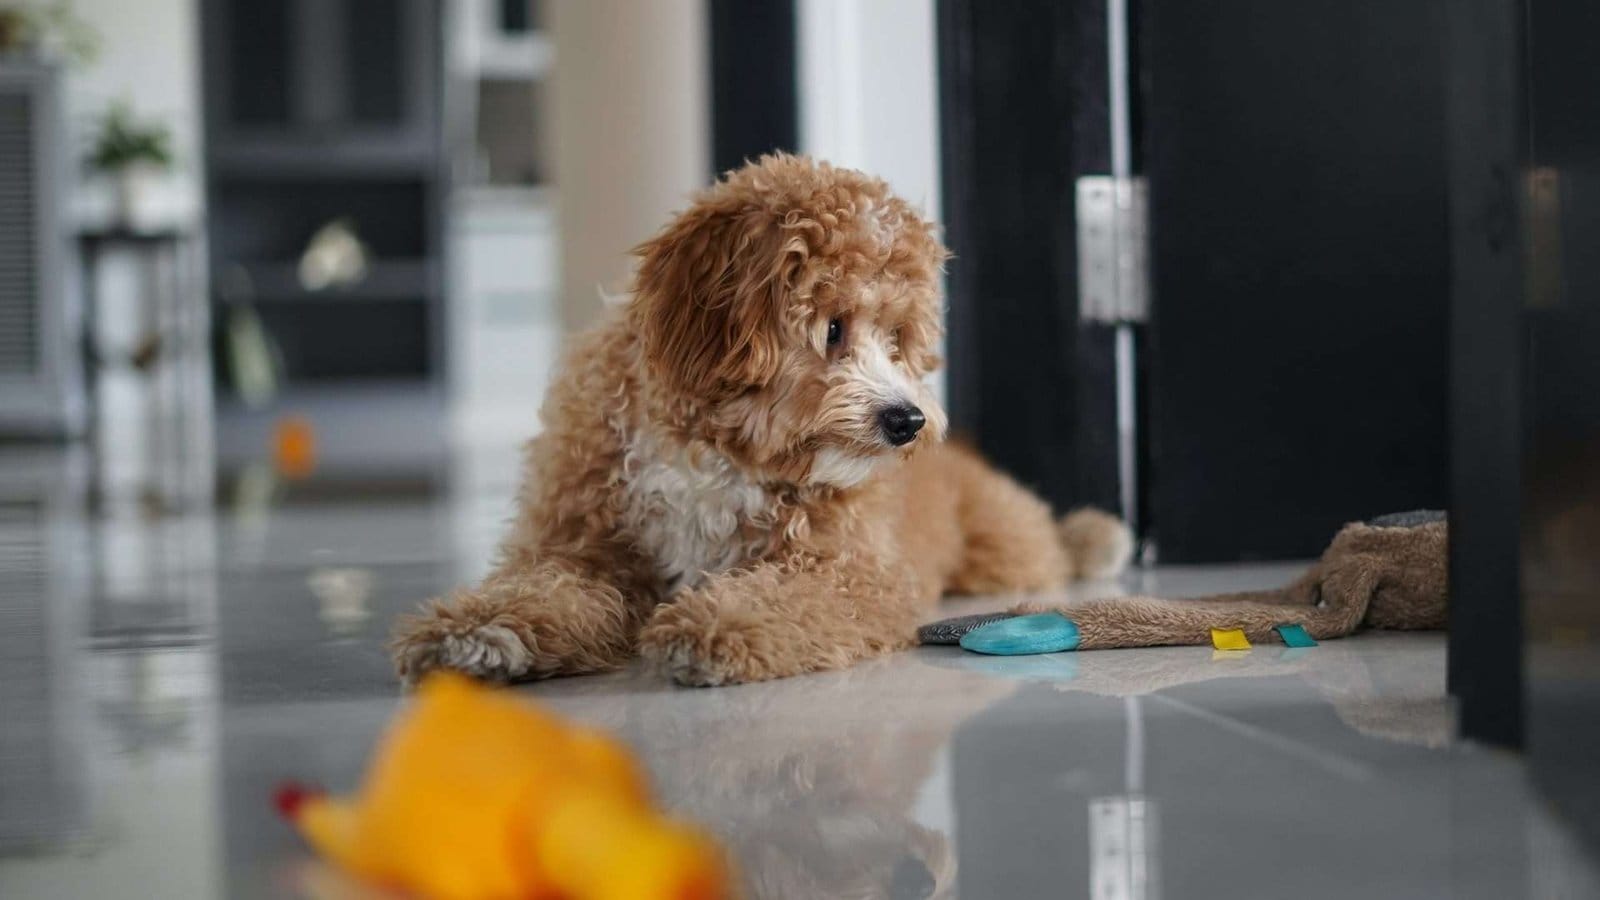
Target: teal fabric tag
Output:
[
  {"x": 1295, "y": 636},
  {"x": 1043, "y": 633}
]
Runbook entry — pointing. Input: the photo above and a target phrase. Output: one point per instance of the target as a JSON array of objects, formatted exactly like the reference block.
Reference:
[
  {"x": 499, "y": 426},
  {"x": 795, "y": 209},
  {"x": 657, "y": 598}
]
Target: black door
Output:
[
  {"x": 1288, "y": 368},
  {"x": 1299, "y": 261}
]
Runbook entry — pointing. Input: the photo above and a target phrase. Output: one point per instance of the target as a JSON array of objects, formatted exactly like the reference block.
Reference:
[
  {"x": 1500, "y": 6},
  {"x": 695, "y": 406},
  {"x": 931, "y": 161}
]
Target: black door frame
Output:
[
  {"x": 1023, "y": 109},
  {"x": 755, "y": 101},
  {"x": 1488, "y": 152}
]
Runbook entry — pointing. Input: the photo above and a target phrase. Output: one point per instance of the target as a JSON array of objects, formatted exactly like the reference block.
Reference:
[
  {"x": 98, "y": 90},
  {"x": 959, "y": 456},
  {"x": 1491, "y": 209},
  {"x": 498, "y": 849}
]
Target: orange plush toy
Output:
[{"x": 475, "y": 795}]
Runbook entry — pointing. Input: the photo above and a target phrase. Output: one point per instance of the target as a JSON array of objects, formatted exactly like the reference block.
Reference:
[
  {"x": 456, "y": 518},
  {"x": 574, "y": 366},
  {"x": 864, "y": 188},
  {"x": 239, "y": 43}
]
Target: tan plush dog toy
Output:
[{"x": 1387, "y": 572}]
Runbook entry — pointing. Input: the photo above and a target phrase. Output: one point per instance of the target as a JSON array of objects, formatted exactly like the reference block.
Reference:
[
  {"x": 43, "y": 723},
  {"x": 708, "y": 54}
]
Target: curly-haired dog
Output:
[{"x": 740, "y": 475}]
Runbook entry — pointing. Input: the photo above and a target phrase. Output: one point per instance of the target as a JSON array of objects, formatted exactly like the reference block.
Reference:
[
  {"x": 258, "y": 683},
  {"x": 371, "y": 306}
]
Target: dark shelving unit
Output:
[{"x": 318, "y": 110}]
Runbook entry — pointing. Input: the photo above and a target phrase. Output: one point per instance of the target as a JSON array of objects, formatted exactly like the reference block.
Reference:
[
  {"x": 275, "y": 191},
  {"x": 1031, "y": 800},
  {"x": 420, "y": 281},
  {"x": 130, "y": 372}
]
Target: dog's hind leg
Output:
[
  {"x": 1010, "y": 539},
  {"x": 547, "y": 619}
]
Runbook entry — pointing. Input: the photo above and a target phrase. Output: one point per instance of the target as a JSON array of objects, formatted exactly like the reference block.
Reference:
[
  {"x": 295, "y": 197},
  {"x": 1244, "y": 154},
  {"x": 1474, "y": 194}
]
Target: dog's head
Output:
[{"x": 792, "y": 314}]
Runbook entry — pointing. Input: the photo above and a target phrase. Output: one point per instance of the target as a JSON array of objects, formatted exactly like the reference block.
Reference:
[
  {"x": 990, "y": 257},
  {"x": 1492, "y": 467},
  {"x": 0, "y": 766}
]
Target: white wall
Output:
[
  {"x": 869, "y": 97},
  {"x": 869, "y": 91},
  {"x": 631, "y": 132},
  {"x": 149, "y": 56}
]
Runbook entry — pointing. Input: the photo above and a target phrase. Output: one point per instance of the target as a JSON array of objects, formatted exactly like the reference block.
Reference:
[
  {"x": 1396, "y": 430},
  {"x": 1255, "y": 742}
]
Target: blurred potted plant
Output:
[
  {"x": 48, "y": 31},
  {"x": 134, "y": 154}
]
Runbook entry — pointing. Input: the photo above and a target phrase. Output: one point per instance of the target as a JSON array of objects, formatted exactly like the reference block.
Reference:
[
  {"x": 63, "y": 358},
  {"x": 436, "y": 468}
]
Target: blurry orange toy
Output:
[
  {"x": 294, "y": 446},
  {"x": 474, "y": 794}
]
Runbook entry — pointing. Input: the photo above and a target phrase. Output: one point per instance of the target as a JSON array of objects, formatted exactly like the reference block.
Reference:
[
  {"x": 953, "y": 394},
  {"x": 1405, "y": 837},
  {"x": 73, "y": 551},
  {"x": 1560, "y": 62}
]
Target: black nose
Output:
[
  {"x": 901, "y": 423},
  {"x": 911, "y": 880}
]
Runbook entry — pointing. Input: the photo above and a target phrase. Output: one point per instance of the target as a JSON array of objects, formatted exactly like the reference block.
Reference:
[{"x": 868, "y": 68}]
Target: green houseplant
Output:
[{"x": 133, "y": 153}]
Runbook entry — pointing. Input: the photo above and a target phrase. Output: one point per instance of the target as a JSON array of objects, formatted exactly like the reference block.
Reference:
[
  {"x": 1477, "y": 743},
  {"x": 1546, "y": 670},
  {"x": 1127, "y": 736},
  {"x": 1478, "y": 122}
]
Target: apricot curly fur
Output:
[{"x": 713, "y": 490}]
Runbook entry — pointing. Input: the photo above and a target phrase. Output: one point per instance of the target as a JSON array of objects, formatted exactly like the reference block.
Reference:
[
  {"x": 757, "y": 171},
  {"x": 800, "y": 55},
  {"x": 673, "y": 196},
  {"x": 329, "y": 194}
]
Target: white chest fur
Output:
[{"x": 693, "y": 515}]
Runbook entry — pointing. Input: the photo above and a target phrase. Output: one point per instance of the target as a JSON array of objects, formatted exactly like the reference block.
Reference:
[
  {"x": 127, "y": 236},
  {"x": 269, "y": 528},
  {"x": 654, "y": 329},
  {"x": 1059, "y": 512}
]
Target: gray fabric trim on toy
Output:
[
  {"x": 1387, "y": 572},
  {"x": 950, "y": 631}
]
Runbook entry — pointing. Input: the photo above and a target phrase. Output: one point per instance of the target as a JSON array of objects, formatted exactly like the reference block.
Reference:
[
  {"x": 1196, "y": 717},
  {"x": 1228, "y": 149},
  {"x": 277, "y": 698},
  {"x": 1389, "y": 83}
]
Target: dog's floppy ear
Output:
[{"x": 711, "y": 290}]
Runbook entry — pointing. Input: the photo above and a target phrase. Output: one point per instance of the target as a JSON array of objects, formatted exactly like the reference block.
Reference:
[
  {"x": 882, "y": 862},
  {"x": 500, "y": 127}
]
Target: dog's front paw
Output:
[
  {"x": 690, "y": 643},
  {"x": 493, "y": 651}
]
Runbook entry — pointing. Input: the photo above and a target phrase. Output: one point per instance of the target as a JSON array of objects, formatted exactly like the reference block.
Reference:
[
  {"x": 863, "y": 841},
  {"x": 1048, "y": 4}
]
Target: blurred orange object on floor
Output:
[
  {"x": 474, "y": 794},
  {"x": 294, "y": 447}
]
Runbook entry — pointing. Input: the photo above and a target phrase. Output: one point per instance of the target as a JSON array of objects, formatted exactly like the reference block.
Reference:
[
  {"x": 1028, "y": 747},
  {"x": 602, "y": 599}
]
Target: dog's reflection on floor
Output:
[{"x": 813, "y": 783}]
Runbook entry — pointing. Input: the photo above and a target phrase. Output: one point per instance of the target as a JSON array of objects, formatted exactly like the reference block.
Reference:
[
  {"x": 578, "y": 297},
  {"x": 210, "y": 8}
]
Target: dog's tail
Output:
[{"x": 1098, "y": 543}]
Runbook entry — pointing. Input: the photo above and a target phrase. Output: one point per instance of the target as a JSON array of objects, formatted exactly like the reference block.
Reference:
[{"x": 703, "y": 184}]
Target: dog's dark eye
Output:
[{"x": 835, "y": 332}]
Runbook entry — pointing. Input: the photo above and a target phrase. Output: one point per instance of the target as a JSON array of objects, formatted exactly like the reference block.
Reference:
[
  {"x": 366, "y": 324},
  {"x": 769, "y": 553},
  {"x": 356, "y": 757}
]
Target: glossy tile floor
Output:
[{"x": 158, "y": 675}]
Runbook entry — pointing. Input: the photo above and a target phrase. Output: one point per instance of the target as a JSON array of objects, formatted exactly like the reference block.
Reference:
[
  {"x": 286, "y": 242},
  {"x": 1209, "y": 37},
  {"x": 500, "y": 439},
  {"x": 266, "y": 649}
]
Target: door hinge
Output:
[{"x": 1113, "y": 270}]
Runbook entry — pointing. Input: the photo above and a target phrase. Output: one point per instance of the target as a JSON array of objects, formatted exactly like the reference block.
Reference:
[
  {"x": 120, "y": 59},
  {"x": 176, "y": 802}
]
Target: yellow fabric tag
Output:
[{"x": 1229, "y": 639}]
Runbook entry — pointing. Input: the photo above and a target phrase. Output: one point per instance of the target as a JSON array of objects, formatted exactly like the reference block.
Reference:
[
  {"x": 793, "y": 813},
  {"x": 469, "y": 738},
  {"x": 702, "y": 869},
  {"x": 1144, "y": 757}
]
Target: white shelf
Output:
[
  {"x": 483, "y": 51},
  {"x": 525, "y": 58}
]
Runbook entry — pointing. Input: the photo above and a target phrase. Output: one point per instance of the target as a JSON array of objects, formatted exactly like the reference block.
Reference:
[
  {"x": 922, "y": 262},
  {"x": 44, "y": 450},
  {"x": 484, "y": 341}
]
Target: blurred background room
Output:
[
  {"x": 281, "y": 286},
  {"x": 367, "y": 196},
  {"x": 282, "y": 283}
]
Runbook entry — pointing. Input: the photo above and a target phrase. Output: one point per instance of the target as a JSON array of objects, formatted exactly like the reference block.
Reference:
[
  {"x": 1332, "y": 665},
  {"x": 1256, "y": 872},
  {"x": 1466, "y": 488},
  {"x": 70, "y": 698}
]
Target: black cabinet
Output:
[
  {"x": 320, "y": 111},
  {"x": 310, "y": 82}
]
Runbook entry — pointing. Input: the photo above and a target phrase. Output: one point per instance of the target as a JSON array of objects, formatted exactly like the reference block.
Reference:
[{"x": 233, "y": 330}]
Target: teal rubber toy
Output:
[
  {"x": 1296, "y": 636},
  {"x": 1023, "y": 635}
]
